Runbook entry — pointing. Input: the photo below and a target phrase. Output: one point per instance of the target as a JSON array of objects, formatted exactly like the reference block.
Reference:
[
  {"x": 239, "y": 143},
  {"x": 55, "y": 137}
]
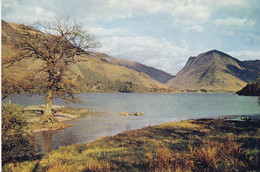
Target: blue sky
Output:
[{"x": 158, "y": 33}]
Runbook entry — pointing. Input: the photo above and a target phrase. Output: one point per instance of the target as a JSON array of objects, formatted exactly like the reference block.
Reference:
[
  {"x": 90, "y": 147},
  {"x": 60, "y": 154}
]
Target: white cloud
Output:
[
  {"x": 103, "y": 32},
  {"x": 147, "y": 50},
  {"x": 92, "y": 10},
  {"x": 225, "y": 3},
  {"x": 245, "y": 55},
  {"x": 235, "y": 22},
  {"x": 197, "y": 28},
  {"x": 231, "y": 25},
  {"x": 101, "y": 19},
  {"x": 190, "y": 14},
  {"x": 108, "y": 10},
  {"x": 27, "y": 13}
]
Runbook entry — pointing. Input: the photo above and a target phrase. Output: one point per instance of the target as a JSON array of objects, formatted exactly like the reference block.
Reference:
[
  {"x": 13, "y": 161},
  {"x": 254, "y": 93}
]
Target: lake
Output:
[{"x": 158, "y": 108}]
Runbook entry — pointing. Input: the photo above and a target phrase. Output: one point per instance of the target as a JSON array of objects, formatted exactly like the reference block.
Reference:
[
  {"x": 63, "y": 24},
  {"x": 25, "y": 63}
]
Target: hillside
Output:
[
  {"x": 94, "y": 75},
  {"x": 152, "y": 72},
  {"x": 252, "y": 89},
  {"x": 215, "y": 70}
]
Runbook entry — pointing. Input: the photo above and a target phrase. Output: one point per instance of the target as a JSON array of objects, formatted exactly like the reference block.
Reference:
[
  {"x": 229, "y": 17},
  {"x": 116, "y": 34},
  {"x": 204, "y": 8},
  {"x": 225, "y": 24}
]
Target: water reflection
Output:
[
  {"x": 127, "y": 127},
  {"x": 47, "y": 137}
]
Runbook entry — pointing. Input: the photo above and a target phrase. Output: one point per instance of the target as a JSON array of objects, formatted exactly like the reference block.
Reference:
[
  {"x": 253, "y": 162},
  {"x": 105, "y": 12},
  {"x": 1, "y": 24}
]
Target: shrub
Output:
[
  {"x": 17, "y": 138},
  {"x": 252, "y": 89},
  {"x": 213, "y": 155},
  {"x": 125, "y": 87},
  {"x": 210, "y": 155}
]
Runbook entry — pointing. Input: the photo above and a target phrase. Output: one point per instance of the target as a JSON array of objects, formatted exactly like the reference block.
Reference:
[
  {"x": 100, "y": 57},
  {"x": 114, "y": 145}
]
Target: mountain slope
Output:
[
  {"x": 154, "y": 73},
  {"x": 252, "y": 89},
  {"x": 215, "y": 70},
  {"x": 93, "y": 75}
]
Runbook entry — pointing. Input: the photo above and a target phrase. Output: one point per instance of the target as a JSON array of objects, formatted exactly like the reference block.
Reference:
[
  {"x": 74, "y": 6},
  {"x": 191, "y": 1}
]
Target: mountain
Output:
[
  {"x": 215, "y": 70},
  {"x": 212, "y": 70},
  {"x": 96, "y": 74},
  {"x": 152, "y": 72}
]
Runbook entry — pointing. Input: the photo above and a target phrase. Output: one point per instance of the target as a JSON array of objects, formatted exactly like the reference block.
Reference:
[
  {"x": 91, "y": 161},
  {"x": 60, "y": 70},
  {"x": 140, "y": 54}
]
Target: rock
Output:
[
  {"x": 136, "y": 114},
  {"x": 246, "y": 118},
  {"x": 124, "y": 113},
  {"x": 139, "y": 114}
]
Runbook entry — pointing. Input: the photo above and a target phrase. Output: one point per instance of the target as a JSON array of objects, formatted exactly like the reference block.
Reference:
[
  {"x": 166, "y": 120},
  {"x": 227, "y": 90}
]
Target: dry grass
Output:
[
  {"x": 94, "y": 165},
  {"x": 211, "y": 155},
  {"x": 224, "y": 155},
  {"x": 198, "y": 145}
]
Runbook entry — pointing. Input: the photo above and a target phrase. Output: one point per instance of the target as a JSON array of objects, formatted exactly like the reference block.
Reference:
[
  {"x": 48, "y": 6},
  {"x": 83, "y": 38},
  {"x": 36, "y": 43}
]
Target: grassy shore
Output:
[
  {"x": 61, "y": 113},
  {"x": 193, "y": 145}
]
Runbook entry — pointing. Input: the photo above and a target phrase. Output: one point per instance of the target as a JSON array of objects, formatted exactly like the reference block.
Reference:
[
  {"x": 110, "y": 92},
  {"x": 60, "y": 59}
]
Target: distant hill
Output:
[
  {"x": 152, "y": 72},
  {"x": 252, "y": 89},
  {"x": 215, "y": 70},
  {"x": 94, "y": 75}
]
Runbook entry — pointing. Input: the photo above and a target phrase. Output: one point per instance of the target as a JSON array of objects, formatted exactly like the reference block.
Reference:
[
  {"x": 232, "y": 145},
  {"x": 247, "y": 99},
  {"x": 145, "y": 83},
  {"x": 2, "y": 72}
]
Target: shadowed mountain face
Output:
[
  {"x": 94, "y": 75},
  {"x": 154, "y": 73},
  {"x": 215, "y": 70}
]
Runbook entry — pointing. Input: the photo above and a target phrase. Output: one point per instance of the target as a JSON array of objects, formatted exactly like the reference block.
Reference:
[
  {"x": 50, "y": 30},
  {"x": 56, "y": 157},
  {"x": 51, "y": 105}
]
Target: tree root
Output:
[{"x": 45, "y": 120}]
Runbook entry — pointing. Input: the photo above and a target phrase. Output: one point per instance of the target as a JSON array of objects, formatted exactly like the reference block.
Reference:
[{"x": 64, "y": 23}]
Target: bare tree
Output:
[{"x": 55, "y": 45}]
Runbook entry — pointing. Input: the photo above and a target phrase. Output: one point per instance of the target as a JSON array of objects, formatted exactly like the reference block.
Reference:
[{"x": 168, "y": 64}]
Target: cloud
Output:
[
  {"x": 92, "y": 10},
  {"x": 24, "y": 11},
  {"x": 232, "y": 25},
  {"x": 158, "y": 53},
  {"x": 183, "y": 23},
  {"x": 103, "y": 32},
  {"x": 236, "y": 22},
  {"x": 245, "y": 55},
  {"x": 190, "y": 14},
  {"x": 118, "y": 9},
  {"x": 99, "y": 10},
  {"x": 197, "y": 28},
  {"x": 224, "y": 3}
]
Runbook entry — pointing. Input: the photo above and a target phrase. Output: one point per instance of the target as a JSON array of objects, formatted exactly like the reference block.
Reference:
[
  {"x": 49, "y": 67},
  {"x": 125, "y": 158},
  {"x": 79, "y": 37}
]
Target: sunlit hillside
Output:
[{"x": 93, "y": 75}]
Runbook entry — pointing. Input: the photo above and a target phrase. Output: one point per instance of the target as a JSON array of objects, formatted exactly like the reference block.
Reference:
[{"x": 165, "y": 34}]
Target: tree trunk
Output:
[
  {"x": 48, "y": 105},
  {"x": 47, "y": 117}
]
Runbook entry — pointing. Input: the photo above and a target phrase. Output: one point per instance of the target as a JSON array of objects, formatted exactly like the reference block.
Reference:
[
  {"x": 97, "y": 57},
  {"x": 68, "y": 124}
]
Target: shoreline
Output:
[
  {"x": 161, "y": 147},
  {"x": 61, "y": 113},
  {"x": 66, "y": 113}
]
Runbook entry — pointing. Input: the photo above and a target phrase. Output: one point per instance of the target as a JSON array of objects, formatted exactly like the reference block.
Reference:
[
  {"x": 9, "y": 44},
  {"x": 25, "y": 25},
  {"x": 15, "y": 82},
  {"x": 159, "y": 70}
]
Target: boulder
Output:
[
  {"x": 136, "y": 114},
  {"x": 124, "y": 113}
]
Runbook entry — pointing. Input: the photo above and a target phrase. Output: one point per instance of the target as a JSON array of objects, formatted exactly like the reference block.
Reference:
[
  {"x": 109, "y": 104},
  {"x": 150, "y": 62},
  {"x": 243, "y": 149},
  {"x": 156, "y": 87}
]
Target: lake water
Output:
[{"x": 158, "y": 108}]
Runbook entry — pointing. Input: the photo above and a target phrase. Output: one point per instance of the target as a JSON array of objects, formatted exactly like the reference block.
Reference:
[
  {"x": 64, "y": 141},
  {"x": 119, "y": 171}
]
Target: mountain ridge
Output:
[
  {"x": 215, "y": 70},
  {"x": 93, "y": 75},
  {"x": 211, "y": 71},
  {"x": 154, "y": 73}
]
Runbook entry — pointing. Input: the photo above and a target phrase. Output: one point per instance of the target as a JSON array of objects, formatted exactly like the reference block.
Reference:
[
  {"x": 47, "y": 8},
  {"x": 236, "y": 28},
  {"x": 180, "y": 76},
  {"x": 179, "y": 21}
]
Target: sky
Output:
[{"x": 158, "y": 33}]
